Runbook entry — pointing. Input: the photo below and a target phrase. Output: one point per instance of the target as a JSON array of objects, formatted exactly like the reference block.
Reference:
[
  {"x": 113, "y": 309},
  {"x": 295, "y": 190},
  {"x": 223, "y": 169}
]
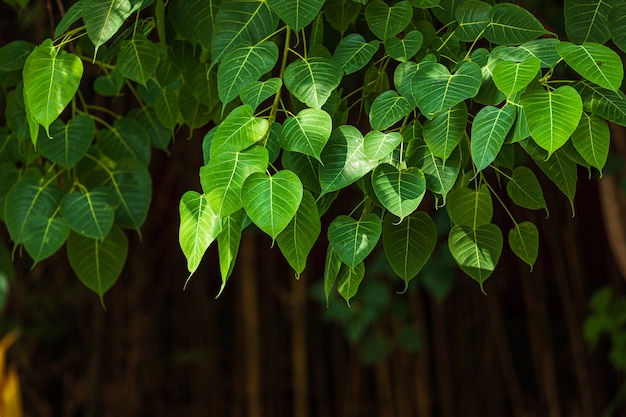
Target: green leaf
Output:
[
  {"x": 544, "y": 49},
  {"x": 103, "y": 18},
  {"x": 344, "y": 160},
  {"x": 378, "y": 145},
  {"x": 348, "y": 281},
  {"x": 98, "y": 263},
  {"x": 239, "y": 22},
  {"x": 473, "y": 18},
  {"x": 595, "y": 62},
  {"x": 467, "y": 207},
  {"x": 445, "y": 10},
  {"x": 443, "y": 133},
  {"x": 354, "y": 239},
  {"x": 617, "y": 26},
  {"x": 552, "y": 116},
  {"x": 353, "y": 53},
  {"x": 307, "y": 133},
  {"x": 138, "y": 59},
  {"x": 340, "y": 14},
  {"x": 525, "y": 190},
  {"x": 109, "y": 85},
  {"x": 272, "y": 201},
  {"x": 399, "y": 191},
  {"x": 126, "y": 138},
  {"x": 243, "y": 65},
  {"x": 386, "y": 21},
  {"x": 489, "y": 130},
  {"x": 524, "y": 241},
  {"x": 436, "y": 90},
  {"x": 332, "y": 267},
  {"x": 476, "y": 250},
  {"x": 69, "y": 142},
  {"x": 409, "y": 243},
  {"x": 199, "y": 227},
  {"x": 257, "y": 92},
  {"x": 51, "y": 79},
  {"x": 587, "y": 20},
  {"x": 387, "y": 109},
  {"x": 228, "y": 245},
  {"x": 90, "y": 214},
  {"x": 297, "y": 239},
  {"x": 130, "y": 181},
  {"x": 313, "y": 80},
  {"x": 305, "y": 167},
  {"x": 404, "y": 48},
  {"x": 13, "y": 55},
  {"x": 610, "y": 105},
  {"x": 223, "y": 177},
  {"x": 238, "y": 131},
  {"x": 167, "y": 108},
  {"x": 440, "y": 176},
  {"x": 592, "y": 139},
  {"x": 194, "y": 20},
  {"x": 44, "y": 235},
  {"x": 511, "y": 24},
  {"x": 296, "y": 13},
  {"x": 27, "y": 198},
  {"x": 511, "y": 77}
]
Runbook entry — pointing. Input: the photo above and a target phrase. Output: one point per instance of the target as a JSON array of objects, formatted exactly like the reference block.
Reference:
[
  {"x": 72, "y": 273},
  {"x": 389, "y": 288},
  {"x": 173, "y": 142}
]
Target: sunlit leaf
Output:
[
  {"x": 238, "y": 131},
  {"x": 353, "y": 53},
  {"x": 103, "y": 18},
  {"x": 404, "y": 48},
  {"x": 473, "y": 18},
  {"x": 444, "y": 131},
  {"x": 307, "y": 132},
  {"x": 592, "y": 139},
  {"x": 467, "y": 207},
  {"x": 525, "y": 190},
  {"x": 349, "y": 279},
  {"x": 313, "y": 80},
  {"x": 228, "y": 245},
  {"x": 610, "y": 105},
  {"x": 138, "y": 59},
  {"x": 257, "y": 92},
  {"x": 90, "y": 214},
  {"x": 378, "y": 145},
  {"x": 489, "y": 130},
  {"x": 511, "y": 24},
  {"x": 400, "y": 191},
  {"x": 511, "y": 77},
  {"x": 354, "y": 239},
  {"x": 387, "y": 109},
  {"x": 440, "y": 176},
  {"x": 595, "y": 62}
]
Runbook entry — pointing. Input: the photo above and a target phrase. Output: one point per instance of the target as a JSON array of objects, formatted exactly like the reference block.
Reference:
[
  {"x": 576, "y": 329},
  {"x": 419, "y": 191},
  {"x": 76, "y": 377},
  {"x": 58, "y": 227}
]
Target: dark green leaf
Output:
[
  {"x": 524, "y": 241},
  {"x": 386, "y": 21},
  {"x": 353, "y": 239}
]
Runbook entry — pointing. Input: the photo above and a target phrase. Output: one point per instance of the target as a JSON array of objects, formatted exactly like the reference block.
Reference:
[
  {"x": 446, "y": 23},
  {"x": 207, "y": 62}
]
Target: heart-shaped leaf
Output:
[
  {"x": 272, "y": 201},
  {"x": 340, "y": 14},
  {"x": 511, "y": 77},
  {"x": 473, "y": 18},
  {"x": 525, "y": 190},
  {"x": 378, "y": 145},
  {"x": 103, "y": 18},
  {"x": 69, "y": 142},
  {"x": 313, "y": 80},
  {"x": 199, "y": 227},
  {"x": 257, "y": 92},
  {"x": 44, "y": 235},
  {"x": 297, "y": 14},
  {"x": 238, "y": 131},
  {"x": 126, "y": 138},
  {"x": 404, "y": 48},
  {"x": 354, "y": 239},
  {"x": 467, "y": 207},
  {"x": 511, "y": 24},
  {"x": 444, "y": 132},
  {"x": 489, "y": 130},
  {"x": 297, "y": 239},
  {"x": 243, "y": 65},
  {"x": 399, "y": 191},
  {"x": 387, "y": 109},
  {"x": 610, "y": 105},
  {"x": 349, "y": 279},
  {"x": 193, "y": 20},
  {"x": 305, "y": 167},
  {"x": 524, "y": 242},
  {"x": 595, "y": 62},
  {"x": 409, "y": 244},
  {"x": 14, "y": 54},
  {"x": 592, "y": 139},
  {"x": 353, "y": 53},
  {"x": 307, "y": 133},
  {"x": 386, "y": 21},
  {"x": 476, "y": 250},
  {"x": 436, "y": 90},
  {"x": 138, "y": 59},
  {"x": 440, "y": 176},
  {"x": 552, "y": 116},
  {"x": 167, "y": 108},
  {"x": 587, "y": 21},
  {"x": 51, "y": 79},
  {"x": 90, "y": 214}
]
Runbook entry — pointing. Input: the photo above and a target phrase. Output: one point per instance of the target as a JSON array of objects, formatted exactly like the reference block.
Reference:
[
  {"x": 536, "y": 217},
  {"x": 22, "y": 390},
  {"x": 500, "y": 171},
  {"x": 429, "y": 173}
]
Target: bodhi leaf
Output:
[
  {"x": 199, "y": 227},
  {"x": 340, "y": 14},
  {"x": 444, "y": 131},
  {"x": 476, "y": 250},
  {"x": 44, "y": 235},
  {"x": 228, "y": 245},
  {"x": 387, "y": 109},
  {"x": 467, "y": 207},
  {"x": 440, "y": 176},
  {"x": 103, "y": 18},
  {"x": 378, "y": 145},
  {"x": 296, "y": 13},
  {"x": 525, "y": 190},
  {"x": 617, "y": 24},
  {"x": 403, "y": 49},
  {"x": 595, "y": 62},
  {"x": 436, "y": 90},
  {"x": 592, "y": 139},
  {"x": 610, "y": 105},
  {"x": 331, "y": 270},
  {"x": 552, "y": 116},
  {"x": 307, "y": 133},
  {"x": 386, "y": 21},
  {"x": 193, "y": 20},
  {"x": 272, "y": 201},
  {"x": 313, "y": 80},
  {"x": 257, "y": 92},
  {"x": 138, "y": 59},
  {"x": 297, "y": 239},
  {"x": 243, "y": 65},
  {"x": 409, "y": 244},
  {"x": 131, "y": 183},
  {"x": 511, "y": 24},
  {"x": 473, "y": 18},
  {"x": 511, "y": 77},
  {"x": 98, "y": 263},
  {"x": 90, "y": 214},
  {"x": 489, "y": 130},
  {"x": 524, "y": 241},
  {"x": 126, "y": 138},
  {"x": 238, "y": 131},
  {"x": 587, "y": 20},
  {"x": 354, "y": 239},
  {"x": 399, "y": 191},
  {"x": 349, "y": 279},
  {"x": 69, "y": 142},
  {"x": 353, "y": 53},
  {"x": 51, "y": 78}
]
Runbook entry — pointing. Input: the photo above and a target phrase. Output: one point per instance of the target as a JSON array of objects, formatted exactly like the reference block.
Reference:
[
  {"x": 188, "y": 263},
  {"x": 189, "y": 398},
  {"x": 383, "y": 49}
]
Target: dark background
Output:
[{"x": 269, "y": 346}]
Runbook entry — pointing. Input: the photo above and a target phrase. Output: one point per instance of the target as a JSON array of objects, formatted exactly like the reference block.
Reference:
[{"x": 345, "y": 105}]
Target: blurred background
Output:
[{"x": 550, "y": 342}]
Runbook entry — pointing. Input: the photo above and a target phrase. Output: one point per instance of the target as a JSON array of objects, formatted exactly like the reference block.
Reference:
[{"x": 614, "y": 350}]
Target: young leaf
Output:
[
  {"x": 243, "y": 65},
  {"x": 467, "y": 207},
  {"x": 69, "y": 142},
  {"x": 199, "y": 227},
  {"x": 238, "y": 131},
  {"x": 297, "y": 14},
  {"x": 257, "y": 92},
  {"x": 387, "y": 109},
  {"x": 307, "y": 133},
  {"x": 587, "y": 20},
  {"x": 349, "y": 279},
  {"x": 103, "y": 18},
  {"x": 228, "y": 245},
  {"x": 552, "y": 116},
  {"x": 525, "y": 190},
  {"x": 138, "y": 59},
  {"x": 98, "y": 263},
  {"x": 524, "y": 241},
  {"x": 272, "y": 201},
  {"x": 313, "y": 80},
  {"x": 443, "y": 133},
  {"x": 436, "y": 90},
  {"x": 511, "y": 24},
  {"x": 511, "y": 77},
  {"x": 354, "y": 239},
  {"x": 595, "y": 62},
  {"x": 489, "y": 130},
  {"x": 592, "y": 139},
  {"x": 353, "y": 53},
  {"x": 476, "y": 250},
  {"x": 297, "y": 239},
  {"x": 403, "y": 49},
  {"x": 399, "y": 191},
  {"x": 378, "y": 145},
  {"x": 51, "y": 79},
  {"x": 386, "y": 21},
  {"x": 90, "y": 214},
  {"x": 409, "y": 244}
]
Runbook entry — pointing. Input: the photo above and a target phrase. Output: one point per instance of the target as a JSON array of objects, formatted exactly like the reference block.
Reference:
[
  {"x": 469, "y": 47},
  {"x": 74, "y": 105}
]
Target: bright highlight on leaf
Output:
[{"x": 352, "y": 239}]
